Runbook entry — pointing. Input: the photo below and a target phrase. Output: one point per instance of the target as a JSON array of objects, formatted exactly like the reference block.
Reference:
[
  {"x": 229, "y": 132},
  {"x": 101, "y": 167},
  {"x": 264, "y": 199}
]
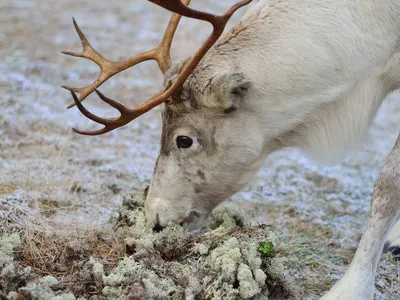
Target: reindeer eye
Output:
[{"x": 183, "y": 141}]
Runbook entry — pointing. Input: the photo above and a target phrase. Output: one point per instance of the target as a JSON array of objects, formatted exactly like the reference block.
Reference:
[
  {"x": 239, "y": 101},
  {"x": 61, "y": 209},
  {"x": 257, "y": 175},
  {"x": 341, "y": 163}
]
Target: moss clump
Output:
[{"x": 267, "y": 249}]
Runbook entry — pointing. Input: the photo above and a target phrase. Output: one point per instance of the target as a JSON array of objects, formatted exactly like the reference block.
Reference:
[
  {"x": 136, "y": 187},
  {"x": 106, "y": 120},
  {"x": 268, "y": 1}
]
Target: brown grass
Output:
[
  {"x": 310, "y": 252},
  {"x": 57, "y": 254},
  {"x": 65, "y": 254},
  {"x": 7, "y": 188}
]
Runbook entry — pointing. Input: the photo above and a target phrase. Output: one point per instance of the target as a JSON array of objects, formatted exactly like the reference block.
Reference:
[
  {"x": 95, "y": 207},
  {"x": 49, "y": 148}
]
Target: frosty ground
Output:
[{"x": 54, "y": 180}]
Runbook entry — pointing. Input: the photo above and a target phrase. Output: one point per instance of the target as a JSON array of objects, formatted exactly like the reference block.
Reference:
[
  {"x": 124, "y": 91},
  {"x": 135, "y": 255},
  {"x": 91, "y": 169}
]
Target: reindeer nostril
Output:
[
  {"x": 145, "y": 192},
  {"x": 157, "y": 227}
]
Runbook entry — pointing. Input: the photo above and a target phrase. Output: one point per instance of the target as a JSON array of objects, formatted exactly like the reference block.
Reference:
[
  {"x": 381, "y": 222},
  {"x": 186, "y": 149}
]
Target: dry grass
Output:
[
  {"x": 66, "y": 254},
  {"x": 57, "y": 253},
  {"x": 69, "y": 255},
  {"x": 312, "y": 255},
  {"x": 7, "y": 188}
]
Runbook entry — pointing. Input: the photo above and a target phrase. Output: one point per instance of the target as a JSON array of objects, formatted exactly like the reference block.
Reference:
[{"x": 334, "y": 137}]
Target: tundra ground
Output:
[{"x": 56, "y": 183}]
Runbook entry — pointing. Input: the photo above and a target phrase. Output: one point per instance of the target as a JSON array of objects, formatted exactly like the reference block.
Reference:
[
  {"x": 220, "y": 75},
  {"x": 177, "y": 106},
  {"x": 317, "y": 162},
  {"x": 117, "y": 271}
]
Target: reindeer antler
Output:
[
  {"x": 108, "y": 68},
  {"x": 161, "y": 54}
]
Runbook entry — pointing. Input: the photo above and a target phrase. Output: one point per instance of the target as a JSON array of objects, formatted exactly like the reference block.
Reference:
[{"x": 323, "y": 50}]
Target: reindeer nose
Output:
[
  {"x": 146, "y": 192},
  {"x": 157, "y": 227}
]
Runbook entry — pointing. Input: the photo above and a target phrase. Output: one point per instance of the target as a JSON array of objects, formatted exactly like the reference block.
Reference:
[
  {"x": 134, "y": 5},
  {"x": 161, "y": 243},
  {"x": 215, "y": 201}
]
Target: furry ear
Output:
[{"x": 230, "y": 89}]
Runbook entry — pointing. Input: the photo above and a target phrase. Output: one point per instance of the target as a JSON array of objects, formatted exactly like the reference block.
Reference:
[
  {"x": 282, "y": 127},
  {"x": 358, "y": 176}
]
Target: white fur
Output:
[
  {"x": 394, "y": 236},
  {"x": 315, "y": 74},
  {"x": 358, "y": 282},
  {"x": 321, "y": 69}
]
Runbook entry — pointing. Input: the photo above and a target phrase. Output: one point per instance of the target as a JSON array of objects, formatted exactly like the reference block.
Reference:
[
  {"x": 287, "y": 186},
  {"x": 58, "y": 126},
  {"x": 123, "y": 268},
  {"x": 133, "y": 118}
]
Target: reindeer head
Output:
[{"x": 211, "y": 142}]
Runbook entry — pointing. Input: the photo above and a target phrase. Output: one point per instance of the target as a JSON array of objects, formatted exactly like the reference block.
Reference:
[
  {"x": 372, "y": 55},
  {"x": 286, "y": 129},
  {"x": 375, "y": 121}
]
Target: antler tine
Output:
[
  {"x": 87, "y": 113},
  {"x": 164, "y": 49},
  {"x": 109, "y": 124},
  {"x": 161, "y": 55},
  {"x": 109, "y": 68},
  {"x": 176, "y": 6},
  {"x": 88, "y": 51}
]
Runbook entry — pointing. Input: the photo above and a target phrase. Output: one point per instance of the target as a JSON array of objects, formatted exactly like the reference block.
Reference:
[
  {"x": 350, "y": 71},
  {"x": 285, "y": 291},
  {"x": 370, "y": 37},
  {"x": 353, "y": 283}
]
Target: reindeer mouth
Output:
[
  {"x": 194, "y": 222},
  {"x": 193, "y": 215}
]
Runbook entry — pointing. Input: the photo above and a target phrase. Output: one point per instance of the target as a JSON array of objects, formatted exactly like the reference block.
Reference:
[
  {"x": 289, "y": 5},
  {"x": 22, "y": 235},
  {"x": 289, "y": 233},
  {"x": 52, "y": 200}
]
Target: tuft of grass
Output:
[
  {"x": 55, "y": 254},
  {"x": 48, "y": 207},
  {"x": 7, "y": 188}
]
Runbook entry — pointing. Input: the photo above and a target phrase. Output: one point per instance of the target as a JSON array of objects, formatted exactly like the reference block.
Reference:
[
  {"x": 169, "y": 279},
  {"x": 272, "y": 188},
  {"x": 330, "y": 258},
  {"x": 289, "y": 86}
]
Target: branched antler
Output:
[
  {"x": 161, "y": 54},
  {"x": 108, "y": 68}
]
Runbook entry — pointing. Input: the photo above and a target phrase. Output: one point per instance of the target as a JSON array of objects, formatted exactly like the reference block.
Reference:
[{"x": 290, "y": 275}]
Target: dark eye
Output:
[{"x": 183, "y": 141}]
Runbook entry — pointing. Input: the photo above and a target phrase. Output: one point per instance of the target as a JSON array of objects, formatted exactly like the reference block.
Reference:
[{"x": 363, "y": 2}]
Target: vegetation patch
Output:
[{"x": 130, "y": 261}]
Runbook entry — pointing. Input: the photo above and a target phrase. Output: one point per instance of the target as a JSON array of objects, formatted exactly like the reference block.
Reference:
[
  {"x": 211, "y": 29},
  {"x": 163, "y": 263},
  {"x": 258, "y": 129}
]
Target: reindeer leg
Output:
[
  {"x": 359, "y": 280},
  {"x": 393, "y": 241}
]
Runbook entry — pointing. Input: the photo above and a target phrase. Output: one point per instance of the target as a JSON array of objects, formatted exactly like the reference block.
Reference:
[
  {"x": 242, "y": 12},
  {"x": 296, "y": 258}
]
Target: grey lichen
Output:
[
  {"x": 238, "y": 262},
  {"x": 7, "y": 245},
  {"x": 98, "y": 269},
  {"x": 9, "y": 274},
  {"x": 201, "y": 249},
  {"x": 248, "y": 287},
  {"x": 225, "y": 258},
  {"x": 43, "y": 290},
  {"x": 132, "y": 273},
  {"x": 222, "y": 262}
]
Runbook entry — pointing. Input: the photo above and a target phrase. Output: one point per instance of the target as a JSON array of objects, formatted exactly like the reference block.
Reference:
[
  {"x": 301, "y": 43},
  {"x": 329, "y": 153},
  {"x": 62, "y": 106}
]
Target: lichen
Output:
[
  {"x": 225, "y": 259},
  {"x": 7, "y": 245},
  {"x": 130, "y": 272},
  {"x": 9, "y": 274},
  {"x": 201, "y": 249},
  {"x": 225, "y": 216},
  {"x": 248, "y": 286},
  {"x": 222, "y": 261},
  {"x": 97, "y": 270},
  {"x": 239, "y": 262},
  {"x": 43, "y": 290}
]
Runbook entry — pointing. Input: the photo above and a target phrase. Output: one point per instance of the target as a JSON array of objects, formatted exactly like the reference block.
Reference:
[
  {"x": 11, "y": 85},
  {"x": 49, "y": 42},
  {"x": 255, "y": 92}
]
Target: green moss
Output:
[{"x": 267, "y": 249}]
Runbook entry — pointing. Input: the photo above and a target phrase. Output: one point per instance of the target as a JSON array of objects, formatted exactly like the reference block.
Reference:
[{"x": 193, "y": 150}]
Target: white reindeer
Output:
[{"x": 293, "y": 73}]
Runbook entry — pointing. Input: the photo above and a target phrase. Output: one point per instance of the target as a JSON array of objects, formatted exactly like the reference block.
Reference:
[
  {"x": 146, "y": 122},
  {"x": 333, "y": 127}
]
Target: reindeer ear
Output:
[{"x": 230, "y": 90}]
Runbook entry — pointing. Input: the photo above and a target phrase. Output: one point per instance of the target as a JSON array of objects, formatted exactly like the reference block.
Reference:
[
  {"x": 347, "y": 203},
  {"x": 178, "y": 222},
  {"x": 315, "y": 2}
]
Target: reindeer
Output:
[{"x": 292, "y": 73}]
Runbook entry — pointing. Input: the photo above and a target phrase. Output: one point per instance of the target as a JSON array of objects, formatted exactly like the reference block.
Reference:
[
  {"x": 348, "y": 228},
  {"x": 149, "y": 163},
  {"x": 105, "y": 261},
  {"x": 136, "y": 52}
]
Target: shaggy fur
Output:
[{"x": 310, "y": 74}]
